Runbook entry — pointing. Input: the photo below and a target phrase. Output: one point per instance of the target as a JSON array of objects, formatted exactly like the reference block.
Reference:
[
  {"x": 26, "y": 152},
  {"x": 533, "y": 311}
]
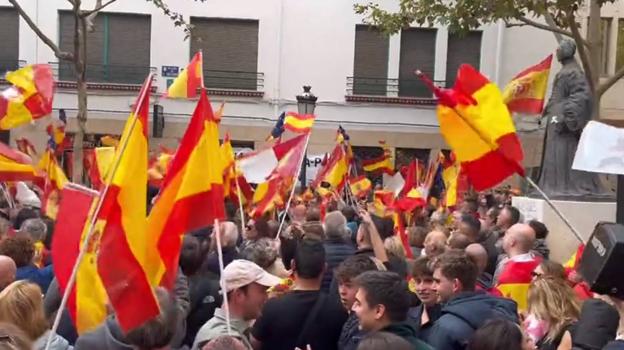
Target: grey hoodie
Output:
[{"x": 58, "y": 342}]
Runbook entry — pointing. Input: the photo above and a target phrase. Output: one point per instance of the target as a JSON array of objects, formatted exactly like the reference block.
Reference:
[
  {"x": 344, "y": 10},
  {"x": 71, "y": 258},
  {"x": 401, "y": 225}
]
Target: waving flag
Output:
[
  {"x": 25, "y": 146},
  {"x": 299, "y": 123},
  {"x": 29, "y": 98},
  {"x": 56, "y": 132},
  {"x": 526, "y": 92},
  {"x": 360, "y": 186},
  {"x": 192, "y": 193},
  {"x": 515, "y": 279},
  {"x": 97, "y": 162},
  {"x": 258, "y": 166},
  {"x": 267, "y": 197},
  {"x": 477, "y": 125},
  {"x": 278, "y": 129},
  {"x": 55, "y": 181},
  {"x": 335, "y": 171},
  {"x": 123, "y": 252},
  {"x": 15, "y": 166},
  {"x": 189, "y": 80}
]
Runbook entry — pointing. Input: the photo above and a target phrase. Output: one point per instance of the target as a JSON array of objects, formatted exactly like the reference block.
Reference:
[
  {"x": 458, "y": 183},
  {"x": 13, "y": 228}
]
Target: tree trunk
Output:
[
  {"x": 80, "y": 68},
  {"x": 594, "y": 37}
]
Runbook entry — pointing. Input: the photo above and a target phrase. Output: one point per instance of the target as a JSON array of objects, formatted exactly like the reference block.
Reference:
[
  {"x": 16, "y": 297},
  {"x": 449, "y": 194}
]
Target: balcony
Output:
[
  {"x": 103, "y": 77},
  {"x": 234, "y": 83},
  {"x": 397, "y": 91}
]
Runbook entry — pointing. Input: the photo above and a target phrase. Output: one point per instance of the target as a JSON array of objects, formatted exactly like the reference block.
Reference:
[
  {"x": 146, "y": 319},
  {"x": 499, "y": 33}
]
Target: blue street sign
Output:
[{"x": 170, "y": 71}]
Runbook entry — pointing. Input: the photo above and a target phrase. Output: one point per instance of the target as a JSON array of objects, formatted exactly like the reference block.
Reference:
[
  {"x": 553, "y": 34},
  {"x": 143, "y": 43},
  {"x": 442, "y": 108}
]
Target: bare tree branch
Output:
[
  {"x": 57, "y": 51},
  {"x": 607, "y": 84},
  {"x": 98, "y": 7},
  {"x": 546, "y": 27},
  {"x": 510, "y": 25}
]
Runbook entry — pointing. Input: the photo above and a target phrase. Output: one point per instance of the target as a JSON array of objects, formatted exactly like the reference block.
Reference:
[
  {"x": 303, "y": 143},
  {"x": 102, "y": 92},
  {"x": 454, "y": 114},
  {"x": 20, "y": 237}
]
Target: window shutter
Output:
[
  {"x": 9, "y": 39},
  {"x": 417, "y": 52},
  {"x": 129, "y": 38},
  {"x": 464, "y": 48},
  {"x": 95, "y": 47},
  {"x": 230, "y": 51},
  {"x": 370, "y": 66}
]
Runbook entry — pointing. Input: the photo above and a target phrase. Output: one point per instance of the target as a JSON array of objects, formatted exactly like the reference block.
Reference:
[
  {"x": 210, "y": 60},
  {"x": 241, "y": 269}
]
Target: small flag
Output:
[
  {"x": 335, "y": 171},
  {"x": 55, "y": 181},
  {"x": 515, "y": 279},
  {"x": 189, "y": 80},
  {"x": 360, "y": 186},
  {"x": 29, "y": 98},
  {"x": 298, "y": 123},
  {"x": 526, "y": 92},
  {"x": 278, "y": 129},
  {"x": 56, "y": 132},
  {"x": 258, "y": 166},
  {"x": 97, "y": 163}
]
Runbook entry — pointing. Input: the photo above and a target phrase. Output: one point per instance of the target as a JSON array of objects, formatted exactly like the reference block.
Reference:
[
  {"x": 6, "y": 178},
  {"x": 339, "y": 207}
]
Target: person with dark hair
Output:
[
  {"x": 23, "y": 215},
  {"x": 352, "y": 222},
  {"x": 337, "y": 248},
  {"x": 416, "y": 236},
  {"x": 500, "y": 334},
  {"x": 541, "y": 232},
  {"x": 427, "y": 313},
  {"x": 464, "y": 309},
  {"x": 549, "y": 268},
  {"x": 384, "y": 341},
  {"x": 469, "y": 226},
  {"x": 479, "y": 256},
  {"x": 154, "y": 334},
  {"x": 381, "y": 305},
  {"x": 345, "y": 275},
  {"x": 246, "y": 286},
  {"x": 256, "y": 229},
  {"x": 488, "y": 221},
  {"x": 304, "y": 316},
  {"x": 22, "y": 251},
  {"x": 508, "y": 217},
  {"x": 459, "y": 241}
]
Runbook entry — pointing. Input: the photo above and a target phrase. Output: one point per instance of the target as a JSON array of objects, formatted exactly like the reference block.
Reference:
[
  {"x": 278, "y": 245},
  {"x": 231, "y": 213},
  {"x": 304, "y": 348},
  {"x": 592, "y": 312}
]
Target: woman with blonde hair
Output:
[
  {"x": 553, "y": 312},
  {"x": 21, "y": 304}
]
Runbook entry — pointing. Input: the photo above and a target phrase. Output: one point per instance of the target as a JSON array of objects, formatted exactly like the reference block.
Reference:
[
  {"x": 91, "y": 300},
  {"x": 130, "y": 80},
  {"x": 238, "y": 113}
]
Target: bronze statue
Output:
[{"x": 566, "y": 114}]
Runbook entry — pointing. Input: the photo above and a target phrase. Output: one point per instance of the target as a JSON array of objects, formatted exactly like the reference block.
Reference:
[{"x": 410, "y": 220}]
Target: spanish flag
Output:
[
  {"x": 266, "y": 198},
  {"x": 15, "y": 166},
  {"x": 124, "y": 245},
  {"x": 98, "y": 161},
  {"x": 360, "y": 186},
  {"x": 299, "y": 123},
  {"x": 515, "y": 279},
  {"x": 29, "y": 98},
  {"x": 526, "y": 92},
  {"x": 191, "y": 195},
  {"x": 477, "y": 125},
  {"x": 379, "y": 164},
  {"x": 335, "y": 171},
  {"x": 450, "y": 175},
  {"x": 189, "y": 80},
  {"x": 55, "y": 180},
  {"x": 87, "y": 299}
]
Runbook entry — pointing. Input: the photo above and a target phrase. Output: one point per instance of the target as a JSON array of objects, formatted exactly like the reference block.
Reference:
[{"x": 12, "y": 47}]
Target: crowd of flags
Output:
[{"x": 125, "y": 250}]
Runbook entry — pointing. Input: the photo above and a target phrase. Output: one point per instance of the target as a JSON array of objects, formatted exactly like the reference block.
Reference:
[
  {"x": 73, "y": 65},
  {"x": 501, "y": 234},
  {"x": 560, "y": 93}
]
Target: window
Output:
[
  {"x": 9, "y": 39},
  {"x": 361, "y": 153},
  {"x": 462, "y": 48},
  {"x": 230, "y": 51},
  {"x": 370, "y": 63},
  {"x": 417, "y": 52},
  {"x": 404, "y": 156},
  {"x": 118, "y": 50}
]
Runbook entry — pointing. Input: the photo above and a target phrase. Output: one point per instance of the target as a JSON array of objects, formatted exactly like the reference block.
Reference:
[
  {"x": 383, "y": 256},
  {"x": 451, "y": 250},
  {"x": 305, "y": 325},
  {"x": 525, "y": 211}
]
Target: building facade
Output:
[{"x": 257, "y": 57}]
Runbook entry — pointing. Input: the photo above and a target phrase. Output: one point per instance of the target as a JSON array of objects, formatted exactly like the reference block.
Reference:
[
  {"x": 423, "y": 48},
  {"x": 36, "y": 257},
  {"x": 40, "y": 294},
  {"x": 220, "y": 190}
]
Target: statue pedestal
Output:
[{"x": 582, "y": 215}]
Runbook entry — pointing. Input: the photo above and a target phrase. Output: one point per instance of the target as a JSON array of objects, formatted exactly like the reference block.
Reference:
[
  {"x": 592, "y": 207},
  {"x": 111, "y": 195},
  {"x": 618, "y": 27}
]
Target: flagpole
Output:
[
  {"x": 240, "y": 202},
  {"x": 528, "y": 179},
  {"x": 93, "y": 219},
  {"x": 217, "y": 232},
  {"x": 294, "y": 186},
  {"x": 201, "y": 60}
]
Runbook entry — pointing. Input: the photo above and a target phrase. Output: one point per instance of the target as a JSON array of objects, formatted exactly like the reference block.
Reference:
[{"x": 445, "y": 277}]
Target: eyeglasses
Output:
[
  {"x": 536, "y": 274},
  {"x": 8, "y": 340}
]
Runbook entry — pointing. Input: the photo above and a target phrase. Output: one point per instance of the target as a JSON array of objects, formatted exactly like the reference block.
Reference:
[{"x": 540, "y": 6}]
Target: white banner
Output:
[
  {"x": 601, "y": 149},
  {"x": 313, "y": 166}
]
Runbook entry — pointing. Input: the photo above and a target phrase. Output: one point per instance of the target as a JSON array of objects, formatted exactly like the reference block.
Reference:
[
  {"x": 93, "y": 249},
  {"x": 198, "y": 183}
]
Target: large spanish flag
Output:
[
  {"x": 515, "y": 279},
  {"x": 476, "y": 124},
  {"x": 189, "y": 80},
  {"x": 124, "y": 246},
  {"x": 55, "y": 180},
  {"x": 335, "y": 171},
  {"x": 191, "y": 195},
  {"x": 378, "y": 164},
  {"x": 29, "y": 98},
  {"x": 87, "y": 299},
  {"x": 526, "y": 92},
  {"x": 15, "y": 166},
  {"x": 299, "y": 123}
]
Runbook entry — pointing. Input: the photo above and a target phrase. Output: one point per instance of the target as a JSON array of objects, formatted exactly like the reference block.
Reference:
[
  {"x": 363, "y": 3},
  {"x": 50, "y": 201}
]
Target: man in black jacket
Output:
[
  {"x": 464, "y": 310},
  {"x": 336, "y": 247}
]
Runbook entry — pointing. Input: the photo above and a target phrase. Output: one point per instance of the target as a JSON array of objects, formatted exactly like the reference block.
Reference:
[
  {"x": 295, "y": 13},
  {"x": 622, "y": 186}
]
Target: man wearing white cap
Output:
[{"x": 246, "y": 284}]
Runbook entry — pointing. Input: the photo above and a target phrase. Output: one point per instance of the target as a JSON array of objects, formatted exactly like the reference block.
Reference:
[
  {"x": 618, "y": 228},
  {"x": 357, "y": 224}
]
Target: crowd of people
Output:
[{"x": 339, "y": 277}]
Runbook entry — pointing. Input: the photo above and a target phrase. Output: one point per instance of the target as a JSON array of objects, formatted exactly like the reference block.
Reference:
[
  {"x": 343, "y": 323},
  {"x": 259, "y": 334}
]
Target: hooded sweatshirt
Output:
[
  {"x": 407, "y": 332},
  {"x": 464, "y": 314}
]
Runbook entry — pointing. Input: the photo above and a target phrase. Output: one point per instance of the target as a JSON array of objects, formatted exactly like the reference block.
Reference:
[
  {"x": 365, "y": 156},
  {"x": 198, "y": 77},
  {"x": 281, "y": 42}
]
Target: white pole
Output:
[
  {"x": 240, "y": 203},
  {"x": 217, "y": 233},
  {"x": 94, "y": 217},
  {"x": 294, "y": 186}
]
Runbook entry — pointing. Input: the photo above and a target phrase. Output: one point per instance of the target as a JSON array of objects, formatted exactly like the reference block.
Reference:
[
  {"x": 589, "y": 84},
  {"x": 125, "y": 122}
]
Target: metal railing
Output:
[
  {"x": 236, "y": 80},
  {"x": 366, "y": 86},
  {"x": 104, "y": 73},
  {"x": 10, "y": 65}
]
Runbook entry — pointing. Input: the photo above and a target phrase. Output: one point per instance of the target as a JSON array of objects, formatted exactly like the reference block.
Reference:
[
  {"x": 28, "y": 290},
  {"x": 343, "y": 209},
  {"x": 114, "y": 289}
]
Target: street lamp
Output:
[{"x": 306, "y": 103}]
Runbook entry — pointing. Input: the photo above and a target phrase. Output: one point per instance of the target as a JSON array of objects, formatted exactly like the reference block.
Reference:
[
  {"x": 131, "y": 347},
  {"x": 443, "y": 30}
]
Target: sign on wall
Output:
[
  {"x": 313, "y": 166},
  {"x": 170, "y": 71}
]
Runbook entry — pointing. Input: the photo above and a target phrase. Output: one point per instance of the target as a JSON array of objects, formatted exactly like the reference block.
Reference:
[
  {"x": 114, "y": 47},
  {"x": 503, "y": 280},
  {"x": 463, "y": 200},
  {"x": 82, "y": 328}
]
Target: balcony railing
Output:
[
  {"x": 234, "y": 80},
  {"x": 103, "y": 73},
  {"x": 380, "y": 88},
  {"x": 10, "y": 65}
]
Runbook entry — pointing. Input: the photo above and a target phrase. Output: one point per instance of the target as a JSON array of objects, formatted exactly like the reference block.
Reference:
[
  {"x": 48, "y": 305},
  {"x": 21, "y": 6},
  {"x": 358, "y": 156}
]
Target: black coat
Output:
[
  {"x": 336, "y": 251},
  {"x": 464, "y": 314},
  {"x": 596, "y": 326}
]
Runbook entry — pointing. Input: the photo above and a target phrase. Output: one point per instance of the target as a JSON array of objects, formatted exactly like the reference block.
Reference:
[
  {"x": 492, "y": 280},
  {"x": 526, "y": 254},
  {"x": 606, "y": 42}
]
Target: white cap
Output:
[
  {"x": 240, "y": 273},
  {"x": 25, "y": 196}
]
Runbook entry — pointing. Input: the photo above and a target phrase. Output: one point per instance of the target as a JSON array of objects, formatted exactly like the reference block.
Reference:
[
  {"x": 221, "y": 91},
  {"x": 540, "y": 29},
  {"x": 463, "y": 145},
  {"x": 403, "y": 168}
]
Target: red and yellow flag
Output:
[
  {"x": 29, "y": 98},
  {"x": 515, "y": 279},
  {"x": 25, "y": 146},
  {"x": 299, "y": 123},
  {"x": 477, "y": 125},
  {"x": 267, "y": 197},
  {"x": 15, "y": 166},
  {"x": 191, "y": 195},
  {"x": 124, "y": 246},
  {"x": 378, "y": 164},
  {"x": 55, "y": 181},
  {"x": 526, "y": 92},
  {"x": 335, "y": 171},
  {"x": 360, "y": 186},
  {"x": 189, "y": 80},
  {"x": 97, "y": 162}
]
